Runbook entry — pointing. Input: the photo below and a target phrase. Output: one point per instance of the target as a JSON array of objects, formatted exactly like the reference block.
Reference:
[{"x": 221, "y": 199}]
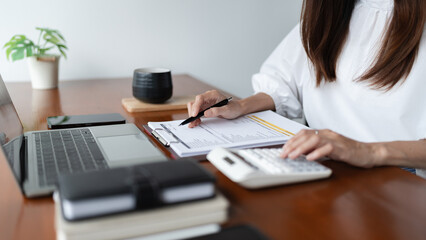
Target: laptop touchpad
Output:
[{"x": 128, "y": 147}]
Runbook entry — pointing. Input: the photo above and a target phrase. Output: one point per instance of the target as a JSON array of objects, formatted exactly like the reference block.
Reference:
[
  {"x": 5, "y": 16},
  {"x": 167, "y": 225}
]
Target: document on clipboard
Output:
[{"x": 252, "y": 130}]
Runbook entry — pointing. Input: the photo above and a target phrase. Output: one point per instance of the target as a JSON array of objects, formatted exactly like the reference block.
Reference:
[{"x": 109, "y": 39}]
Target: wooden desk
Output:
[{"x": 380, "y": 203}]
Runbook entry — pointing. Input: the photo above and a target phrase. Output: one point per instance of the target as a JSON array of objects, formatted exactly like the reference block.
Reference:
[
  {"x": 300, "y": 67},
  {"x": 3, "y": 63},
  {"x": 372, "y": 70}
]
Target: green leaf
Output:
[
  {"x": 19, "y": 38},
  {"x": 57, "y": 34},
  {"x": 47, "y": 30},
  {"x": 17, "y": 46},
  {"x": 63, "y": 53},
  {"x": 13, "y": 41},
  {"x": 62, "y": 46},
  {"x": 51, "y": 38},
  {"x": 18, "y": 55},
  {"x": 44, "y": 49},
  {"x": 20, "y": 46},
  {"x": 29, "y": 51},
  {"x": 9, "y": 51},
  {"x": 43, "y": 29},
  {"x": 29, "y": 42},
  {"x": 53, "y": 41},
  {"x": 60, "y": 36},
  {"x": 7, "y": 44}
]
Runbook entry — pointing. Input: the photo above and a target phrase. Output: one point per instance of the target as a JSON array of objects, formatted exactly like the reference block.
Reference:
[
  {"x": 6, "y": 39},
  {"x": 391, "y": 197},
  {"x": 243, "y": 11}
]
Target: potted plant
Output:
[{"x": 43, "y": 65}]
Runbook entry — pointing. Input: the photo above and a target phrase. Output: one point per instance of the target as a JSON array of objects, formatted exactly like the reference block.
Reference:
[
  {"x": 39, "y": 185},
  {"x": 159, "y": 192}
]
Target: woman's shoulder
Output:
[
  {"x": 293, "y": 38},
  {"x": 292, "y": 51},
  {"x": 291, "y": 46}
]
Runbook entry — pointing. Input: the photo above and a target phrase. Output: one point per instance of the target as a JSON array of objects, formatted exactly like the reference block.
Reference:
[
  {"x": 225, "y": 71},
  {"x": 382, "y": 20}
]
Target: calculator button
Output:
[{"x": 268, "y": 160}]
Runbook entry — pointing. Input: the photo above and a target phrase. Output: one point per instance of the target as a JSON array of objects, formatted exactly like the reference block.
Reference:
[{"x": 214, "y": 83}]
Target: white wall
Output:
[{"x": 222, "y": 42}]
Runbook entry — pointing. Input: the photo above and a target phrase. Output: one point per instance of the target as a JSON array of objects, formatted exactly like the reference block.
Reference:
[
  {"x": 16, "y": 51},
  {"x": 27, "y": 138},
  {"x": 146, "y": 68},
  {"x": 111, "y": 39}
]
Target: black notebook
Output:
[{"x": 146, "y": 186}]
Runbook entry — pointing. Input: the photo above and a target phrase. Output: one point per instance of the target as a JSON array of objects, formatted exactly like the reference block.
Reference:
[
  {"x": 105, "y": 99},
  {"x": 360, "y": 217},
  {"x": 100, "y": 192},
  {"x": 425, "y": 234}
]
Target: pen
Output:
[{"x": 200, "y": 114}]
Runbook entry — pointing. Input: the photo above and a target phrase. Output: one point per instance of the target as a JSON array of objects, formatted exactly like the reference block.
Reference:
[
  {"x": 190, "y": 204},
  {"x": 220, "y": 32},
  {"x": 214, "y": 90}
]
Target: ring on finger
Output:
[{"x": 316, "y": 132}]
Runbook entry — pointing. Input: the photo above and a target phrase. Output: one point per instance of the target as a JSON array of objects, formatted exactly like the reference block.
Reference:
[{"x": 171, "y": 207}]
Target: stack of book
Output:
[{"x": 164, "y": 200}]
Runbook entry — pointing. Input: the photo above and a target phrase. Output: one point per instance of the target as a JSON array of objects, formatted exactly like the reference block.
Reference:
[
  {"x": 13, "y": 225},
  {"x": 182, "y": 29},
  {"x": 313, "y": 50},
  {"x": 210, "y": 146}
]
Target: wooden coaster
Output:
[{"x": 175, "y": 103}]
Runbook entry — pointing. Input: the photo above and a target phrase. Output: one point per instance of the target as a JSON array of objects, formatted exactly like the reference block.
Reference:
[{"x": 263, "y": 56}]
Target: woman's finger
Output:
[
  {"x": 296, "y": 137},
  {"x": 320, "y": 152},
  {"x": 205, "y": 100},
  {"x": 194, "y": 123},
  {"x": 308, "y": 145},
  {"x": 196, "y": 106},
  {"x": 216, "y": 111},
  {"x": 295, "y": 141},
  {"x": 189, "y": 107}
]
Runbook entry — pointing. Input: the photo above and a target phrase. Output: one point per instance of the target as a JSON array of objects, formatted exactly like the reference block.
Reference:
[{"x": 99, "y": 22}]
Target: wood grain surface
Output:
[
  {"x": 175, "y": 103},
  {"x": 355, "y": 203}
]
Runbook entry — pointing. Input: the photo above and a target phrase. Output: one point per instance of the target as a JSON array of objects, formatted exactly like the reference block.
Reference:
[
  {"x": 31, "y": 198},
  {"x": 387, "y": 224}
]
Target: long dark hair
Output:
[{"x": 325, "y": 27}]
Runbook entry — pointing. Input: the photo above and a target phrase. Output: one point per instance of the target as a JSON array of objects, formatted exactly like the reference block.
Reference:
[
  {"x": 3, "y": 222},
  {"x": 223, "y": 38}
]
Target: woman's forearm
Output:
[
  {"x": 256, "y": 103},
  {"x": 400, "y": 153}
]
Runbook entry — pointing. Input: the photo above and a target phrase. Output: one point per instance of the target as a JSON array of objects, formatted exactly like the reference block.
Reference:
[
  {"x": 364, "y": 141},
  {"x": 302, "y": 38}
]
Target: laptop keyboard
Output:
[{"x": 66, "y": 151}]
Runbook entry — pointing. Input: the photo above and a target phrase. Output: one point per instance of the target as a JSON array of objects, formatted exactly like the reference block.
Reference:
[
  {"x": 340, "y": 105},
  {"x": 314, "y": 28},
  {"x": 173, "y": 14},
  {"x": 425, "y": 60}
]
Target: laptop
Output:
[{"x": 38, "y": 157}]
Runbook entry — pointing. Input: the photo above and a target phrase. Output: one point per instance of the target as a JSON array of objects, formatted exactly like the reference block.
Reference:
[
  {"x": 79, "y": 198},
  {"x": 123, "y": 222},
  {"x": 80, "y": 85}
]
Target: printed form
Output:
[{"x": 252, "y": 130}]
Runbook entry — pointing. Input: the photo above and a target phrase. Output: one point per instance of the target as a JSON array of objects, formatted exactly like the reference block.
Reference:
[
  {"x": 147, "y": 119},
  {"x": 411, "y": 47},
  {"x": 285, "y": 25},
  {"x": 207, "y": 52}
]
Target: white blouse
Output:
[{"x": 348, "y": 107}]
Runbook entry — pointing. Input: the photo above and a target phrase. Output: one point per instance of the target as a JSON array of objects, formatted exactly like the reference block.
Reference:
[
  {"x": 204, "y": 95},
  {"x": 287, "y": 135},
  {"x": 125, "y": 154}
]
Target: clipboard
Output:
[
  {"x": 253, "y": 130},
  {"x": 164, "y": 142}
]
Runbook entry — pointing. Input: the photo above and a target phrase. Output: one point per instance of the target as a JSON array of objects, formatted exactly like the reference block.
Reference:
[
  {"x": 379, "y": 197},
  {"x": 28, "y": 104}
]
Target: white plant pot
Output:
[{"x": 44, "y": 72}]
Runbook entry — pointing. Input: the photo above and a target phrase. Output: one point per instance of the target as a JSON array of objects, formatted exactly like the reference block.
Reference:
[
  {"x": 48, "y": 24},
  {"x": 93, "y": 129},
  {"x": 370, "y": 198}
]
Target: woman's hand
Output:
[
  {"x": 232, "y": 110},
  {"x": 326, "y": 143}
]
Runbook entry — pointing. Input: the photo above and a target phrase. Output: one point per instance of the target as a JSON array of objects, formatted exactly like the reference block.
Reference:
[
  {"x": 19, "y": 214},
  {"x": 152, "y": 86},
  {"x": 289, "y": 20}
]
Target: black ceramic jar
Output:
[{"x": 152, "y": 85}]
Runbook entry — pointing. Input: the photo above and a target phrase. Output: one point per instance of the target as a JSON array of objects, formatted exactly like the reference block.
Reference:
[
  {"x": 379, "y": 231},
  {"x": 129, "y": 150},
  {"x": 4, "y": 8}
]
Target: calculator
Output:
[{"x": 262, "y": 167}]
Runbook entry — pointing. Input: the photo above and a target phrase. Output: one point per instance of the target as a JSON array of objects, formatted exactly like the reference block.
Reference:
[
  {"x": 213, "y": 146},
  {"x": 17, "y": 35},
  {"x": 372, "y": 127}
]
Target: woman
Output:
[{"x": 355, "y": 69}]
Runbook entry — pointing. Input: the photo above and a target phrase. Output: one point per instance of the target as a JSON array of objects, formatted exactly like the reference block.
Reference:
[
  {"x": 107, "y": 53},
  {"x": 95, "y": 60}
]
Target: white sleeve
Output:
[{"x": 277, "y": 79}]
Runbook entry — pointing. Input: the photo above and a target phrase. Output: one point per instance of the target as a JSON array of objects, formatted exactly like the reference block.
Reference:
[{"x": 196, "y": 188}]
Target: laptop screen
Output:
[{"x": 11, "y": 138}]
